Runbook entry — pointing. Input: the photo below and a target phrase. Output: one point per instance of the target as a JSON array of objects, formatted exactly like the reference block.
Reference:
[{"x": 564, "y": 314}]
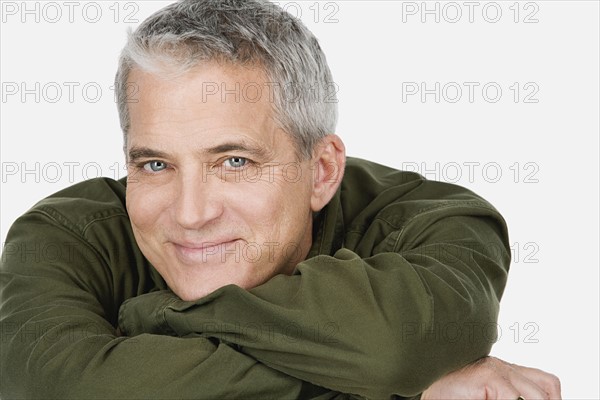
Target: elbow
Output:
[
  {"x": 399, "y": 378},
  {"x": 396, "y": 364},
  {"x": 411, "y": 357}
]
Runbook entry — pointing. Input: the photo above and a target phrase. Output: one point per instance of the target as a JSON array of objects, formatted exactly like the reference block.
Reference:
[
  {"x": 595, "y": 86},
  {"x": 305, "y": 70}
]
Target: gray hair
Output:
[{"x": 241, "y": 32}]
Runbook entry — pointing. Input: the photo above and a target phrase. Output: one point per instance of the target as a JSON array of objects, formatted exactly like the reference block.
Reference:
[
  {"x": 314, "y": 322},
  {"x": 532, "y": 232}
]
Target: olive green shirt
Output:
[{"x": 402, "y": 285}]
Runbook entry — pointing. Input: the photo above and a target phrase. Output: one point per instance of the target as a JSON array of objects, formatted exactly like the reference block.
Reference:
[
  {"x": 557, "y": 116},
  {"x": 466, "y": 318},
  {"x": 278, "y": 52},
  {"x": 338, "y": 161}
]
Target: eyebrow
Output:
[
  {"x": 138, "y": 152},
  {"x": 258, "y": 152}
]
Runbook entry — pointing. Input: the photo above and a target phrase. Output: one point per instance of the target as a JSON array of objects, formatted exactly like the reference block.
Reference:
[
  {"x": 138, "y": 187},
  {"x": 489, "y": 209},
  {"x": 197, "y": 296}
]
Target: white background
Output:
[{"x": 535, "y": 156}]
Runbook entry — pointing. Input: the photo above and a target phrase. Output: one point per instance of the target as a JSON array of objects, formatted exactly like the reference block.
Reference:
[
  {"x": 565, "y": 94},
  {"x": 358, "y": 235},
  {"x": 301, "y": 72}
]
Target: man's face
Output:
[{"x": 215, "y": 193}]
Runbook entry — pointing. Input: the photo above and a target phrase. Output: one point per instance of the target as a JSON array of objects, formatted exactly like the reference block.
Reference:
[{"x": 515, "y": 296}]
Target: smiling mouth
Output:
[{"x": 193, "y": 253}]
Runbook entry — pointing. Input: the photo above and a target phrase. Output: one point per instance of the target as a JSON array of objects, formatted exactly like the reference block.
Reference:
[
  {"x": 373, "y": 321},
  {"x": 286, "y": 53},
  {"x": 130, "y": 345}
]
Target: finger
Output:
[
  {"x": 499, "y": 386},
  {"x": 526, "y": 387},
  {"x": 548, "y": 382},
  {"x": 501, "y": 390}
]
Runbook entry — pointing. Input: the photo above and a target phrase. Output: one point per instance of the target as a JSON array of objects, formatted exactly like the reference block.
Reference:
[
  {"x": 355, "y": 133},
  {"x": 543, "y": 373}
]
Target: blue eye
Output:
[
  {"x": 235, "y": 162},
  {"x": 155, "y": 166}
]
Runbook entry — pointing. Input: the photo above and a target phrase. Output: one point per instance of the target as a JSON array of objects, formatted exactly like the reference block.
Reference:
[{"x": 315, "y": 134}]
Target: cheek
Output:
[
  {"x": 145, "y": 205},
  {"x": 254, "y": 203},
  {"x": 296, "y": 213},
  {"x": 274, "y": 210}
]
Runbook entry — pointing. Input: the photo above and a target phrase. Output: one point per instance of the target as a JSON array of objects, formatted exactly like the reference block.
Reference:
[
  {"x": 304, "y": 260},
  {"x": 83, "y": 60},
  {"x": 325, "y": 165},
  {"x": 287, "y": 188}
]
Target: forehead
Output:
[
  {"x": 211, "y": 100},
  {"x": 218, "y": 86}
]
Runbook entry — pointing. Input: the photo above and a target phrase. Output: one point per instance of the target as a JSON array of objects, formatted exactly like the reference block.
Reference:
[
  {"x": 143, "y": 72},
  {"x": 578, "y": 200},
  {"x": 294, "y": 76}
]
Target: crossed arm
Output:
[
  {"x": 59, "y": 339},
  {"x": 341, "y": 324}
]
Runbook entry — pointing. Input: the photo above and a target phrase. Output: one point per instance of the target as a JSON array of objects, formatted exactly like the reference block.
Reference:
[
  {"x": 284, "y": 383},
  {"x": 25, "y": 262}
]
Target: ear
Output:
[{"x": 328, "y": 164}]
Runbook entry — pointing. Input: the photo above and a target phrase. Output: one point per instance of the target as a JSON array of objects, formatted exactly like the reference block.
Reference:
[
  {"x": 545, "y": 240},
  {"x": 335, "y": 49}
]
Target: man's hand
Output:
[{"x": 491, "y": 378}]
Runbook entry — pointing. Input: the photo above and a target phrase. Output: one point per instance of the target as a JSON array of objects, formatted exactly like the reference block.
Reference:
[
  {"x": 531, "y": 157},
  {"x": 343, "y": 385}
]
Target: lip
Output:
[{"x": 200, "y": 252}]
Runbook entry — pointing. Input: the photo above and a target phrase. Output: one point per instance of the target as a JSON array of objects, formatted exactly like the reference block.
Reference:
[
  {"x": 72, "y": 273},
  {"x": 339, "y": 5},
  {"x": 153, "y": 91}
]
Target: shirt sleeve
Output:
[
  {"x": 423, "y": 304},
  {"x": 59, "y": 339}
]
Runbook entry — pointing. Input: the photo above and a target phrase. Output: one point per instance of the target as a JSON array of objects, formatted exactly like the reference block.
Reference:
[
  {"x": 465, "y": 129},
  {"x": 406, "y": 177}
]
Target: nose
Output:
[{"x": 198, "y": 202}]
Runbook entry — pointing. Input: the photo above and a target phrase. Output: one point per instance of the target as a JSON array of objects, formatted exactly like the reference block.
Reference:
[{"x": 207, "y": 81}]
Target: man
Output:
[{"x": 246, "y": 256}]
